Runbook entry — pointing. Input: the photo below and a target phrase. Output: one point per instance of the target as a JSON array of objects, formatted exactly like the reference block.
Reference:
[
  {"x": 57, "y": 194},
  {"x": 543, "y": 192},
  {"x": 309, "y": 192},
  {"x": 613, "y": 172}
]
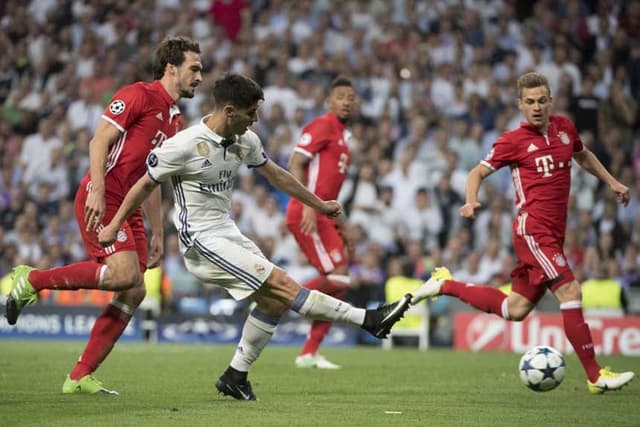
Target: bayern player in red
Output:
[
  {"x": 320, "y": 160},
  {"x": 539, "y": 154},
  {"x": 138, "y": 118}
]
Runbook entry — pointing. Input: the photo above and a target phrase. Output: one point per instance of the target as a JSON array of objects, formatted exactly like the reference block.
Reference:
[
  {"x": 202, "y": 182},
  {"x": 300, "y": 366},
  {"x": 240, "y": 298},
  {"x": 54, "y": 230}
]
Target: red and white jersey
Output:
[
  {"x": 146, "y": 115},
  {"x": 541, "y": 172},
  {"x": 326, "y": 142}
]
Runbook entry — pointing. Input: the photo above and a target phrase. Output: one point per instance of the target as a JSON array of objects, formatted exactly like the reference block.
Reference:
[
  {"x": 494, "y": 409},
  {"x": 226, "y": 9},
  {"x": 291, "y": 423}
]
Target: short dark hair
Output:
[
  {"x": 172, "y": 51},
  {"x": 341, "y": 81},
  {"x": 237, "y": 90},
  {"x": 530, "y": 80}
]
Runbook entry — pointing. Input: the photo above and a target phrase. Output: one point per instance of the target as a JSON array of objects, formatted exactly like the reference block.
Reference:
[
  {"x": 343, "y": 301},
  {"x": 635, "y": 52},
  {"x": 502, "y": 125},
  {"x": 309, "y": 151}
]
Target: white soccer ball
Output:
[{"x": 542, "y": 368}]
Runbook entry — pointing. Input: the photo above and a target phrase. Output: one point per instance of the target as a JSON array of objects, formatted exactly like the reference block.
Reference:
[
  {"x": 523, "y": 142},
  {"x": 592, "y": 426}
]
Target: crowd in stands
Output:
[{"x": 436, "y": 85}]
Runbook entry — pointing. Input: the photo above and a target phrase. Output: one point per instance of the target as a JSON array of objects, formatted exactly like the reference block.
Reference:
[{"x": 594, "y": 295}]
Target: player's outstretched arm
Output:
[
  {"x": 134, "y": 198},
  {"x": 285, "y": 181},
  {"x": 152, "y": 207},
  {"x": 589, "y": 162},
  {"x": 474, "y": 179},
  {"x": 297, "y": 163}
]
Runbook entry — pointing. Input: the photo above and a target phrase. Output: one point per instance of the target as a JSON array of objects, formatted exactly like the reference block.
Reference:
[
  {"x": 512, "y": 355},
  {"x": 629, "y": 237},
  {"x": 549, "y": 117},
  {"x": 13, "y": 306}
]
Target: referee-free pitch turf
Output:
[{"x": 173, "y": 385}]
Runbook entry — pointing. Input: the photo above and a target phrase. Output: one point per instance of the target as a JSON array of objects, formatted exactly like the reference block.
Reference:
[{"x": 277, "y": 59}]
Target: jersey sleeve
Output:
[
  {"x": 313, "y": 139},
  {"x": 166, "y": 161},
  {"x": 256, "y": 156},
  {"x": 125, "y": 107},
  {"x": 501, "y": 154},
  {"x": 574, "y": 136}
]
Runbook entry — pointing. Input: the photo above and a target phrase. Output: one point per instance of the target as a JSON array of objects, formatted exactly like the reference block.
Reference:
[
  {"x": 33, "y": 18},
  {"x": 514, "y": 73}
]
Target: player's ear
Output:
[{"x": 229, "y": 111}]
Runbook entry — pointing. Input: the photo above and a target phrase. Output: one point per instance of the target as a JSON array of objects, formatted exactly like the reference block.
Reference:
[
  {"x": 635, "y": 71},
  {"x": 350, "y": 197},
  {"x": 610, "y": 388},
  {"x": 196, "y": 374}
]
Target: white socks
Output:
[
  {"x": 505, "y": 309},
  {"x": 319, "y": 306},
  {"x": 256, "y": 333}
]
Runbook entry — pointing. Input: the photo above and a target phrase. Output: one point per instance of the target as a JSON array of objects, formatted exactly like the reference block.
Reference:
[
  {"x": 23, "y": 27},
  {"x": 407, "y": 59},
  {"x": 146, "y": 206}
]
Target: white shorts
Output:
[{"x": 225, "y": 257}]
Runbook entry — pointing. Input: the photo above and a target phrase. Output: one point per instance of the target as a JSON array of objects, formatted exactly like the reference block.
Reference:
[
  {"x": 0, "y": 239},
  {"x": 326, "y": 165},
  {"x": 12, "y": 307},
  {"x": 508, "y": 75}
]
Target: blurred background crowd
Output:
[{"x": 436, "y": 85}]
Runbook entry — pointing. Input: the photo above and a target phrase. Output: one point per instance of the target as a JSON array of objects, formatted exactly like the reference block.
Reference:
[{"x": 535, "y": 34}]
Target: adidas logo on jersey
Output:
[
  {"x": 206, "y": 164},
  {"x": 159, "y": 116},
  {"x": 531, "y": 148}
]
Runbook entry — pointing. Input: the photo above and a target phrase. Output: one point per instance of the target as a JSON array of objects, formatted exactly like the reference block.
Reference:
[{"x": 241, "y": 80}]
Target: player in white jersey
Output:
[{"x": 202, "y": 162}]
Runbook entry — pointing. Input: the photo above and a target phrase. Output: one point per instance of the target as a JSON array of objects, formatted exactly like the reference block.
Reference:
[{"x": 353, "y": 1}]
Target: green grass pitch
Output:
[{"x": 173, "y": 385}]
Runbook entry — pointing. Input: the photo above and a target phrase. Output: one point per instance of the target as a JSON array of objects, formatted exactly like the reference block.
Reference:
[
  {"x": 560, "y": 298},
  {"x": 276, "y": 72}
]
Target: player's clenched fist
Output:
[
  {"x": 331, "y": 208},
  {"x": 468, "y": 210}
]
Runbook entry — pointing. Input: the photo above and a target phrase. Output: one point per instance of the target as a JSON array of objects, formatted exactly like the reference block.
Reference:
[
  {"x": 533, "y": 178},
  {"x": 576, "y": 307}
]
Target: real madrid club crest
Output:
[
  {"x": 258, "y": 268},
  {"x": 564, "y": 137},
  {"x": 203, "y": 149}
]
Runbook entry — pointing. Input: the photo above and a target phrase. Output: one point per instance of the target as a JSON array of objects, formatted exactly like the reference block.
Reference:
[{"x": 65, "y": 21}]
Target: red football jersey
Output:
[
  {"x": 146, "y": 115},
  {"x": 541, "y": 173},
  {"x": 326, "y": 142}
]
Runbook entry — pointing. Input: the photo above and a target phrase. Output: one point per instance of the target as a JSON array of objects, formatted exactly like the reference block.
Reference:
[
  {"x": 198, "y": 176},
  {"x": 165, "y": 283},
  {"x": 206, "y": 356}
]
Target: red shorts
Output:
[
  {"x": 131, "y": 237},
  {"x": 324, "y": 249},
  {"x": 541, "y": 265}
]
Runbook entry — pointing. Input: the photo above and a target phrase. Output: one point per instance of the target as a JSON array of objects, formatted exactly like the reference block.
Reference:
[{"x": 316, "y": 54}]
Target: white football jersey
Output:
[{"x": 203, "y": 174}]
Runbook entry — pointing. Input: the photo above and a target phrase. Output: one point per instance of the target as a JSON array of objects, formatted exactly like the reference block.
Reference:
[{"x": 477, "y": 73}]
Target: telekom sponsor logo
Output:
[{"x": 479, "y": 332}]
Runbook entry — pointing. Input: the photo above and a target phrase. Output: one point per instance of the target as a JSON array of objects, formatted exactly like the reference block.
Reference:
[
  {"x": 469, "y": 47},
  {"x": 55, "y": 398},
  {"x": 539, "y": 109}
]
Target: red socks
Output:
[
  {"x": 81, "y": 275},
  {"x": 106, "y": 331},
  {"x": 319, "y": 329},
  {"x": 579, "y": 336},
  {"x": 483, "y": 298}
]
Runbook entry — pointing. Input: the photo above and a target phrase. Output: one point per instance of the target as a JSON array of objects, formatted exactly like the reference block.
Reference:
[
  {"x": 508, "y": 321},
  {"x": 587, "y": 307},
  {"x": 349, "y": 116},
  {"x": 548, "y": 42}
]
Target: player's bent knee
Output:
[
  {"x": 122, "y": 272},
  {"x": 123, "y": 280},
  {"x": 518, "y": 312},
  {"x": 517, "y": 315},
  {"x": 569, "y": 292},
  {"x": 518, "y": 307},
  {"x": 282, "y": 286}
]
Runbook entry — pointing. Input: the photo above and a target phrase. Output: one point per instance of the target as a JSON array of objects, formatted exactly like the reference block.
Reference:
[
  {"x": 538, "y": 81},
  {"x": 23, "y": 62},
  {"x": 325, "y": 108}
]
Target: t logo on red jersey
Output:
[
  {"x": 545, "y": 164},
  {"x": 159, "y": 138}
]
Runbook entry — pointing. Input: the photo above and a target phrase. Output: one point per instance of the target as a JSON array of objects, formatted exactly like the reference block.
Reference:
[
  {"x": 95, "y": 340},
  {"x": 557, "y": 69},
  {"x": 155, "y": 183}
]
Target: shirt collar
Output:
[
  {"x": 163, "y": 92},
  {"x": 526, "y": 125},
  {"x": 333, "y": 118},
  {"x": 223, "y": 142}
]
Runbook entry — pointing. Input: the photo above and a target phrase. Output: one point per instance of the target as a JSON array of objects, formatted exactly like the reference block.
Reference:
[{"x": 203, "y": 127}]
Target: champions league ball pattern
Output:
[{"x": 542, "y": 368}]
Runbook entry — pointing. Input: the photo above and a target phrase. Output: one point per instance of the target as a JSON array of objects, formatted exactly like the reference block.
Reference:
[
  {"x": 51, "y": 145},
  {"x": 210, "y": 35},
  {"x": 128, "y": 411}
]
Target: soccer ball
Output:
[{"x": 542, "y": 368}]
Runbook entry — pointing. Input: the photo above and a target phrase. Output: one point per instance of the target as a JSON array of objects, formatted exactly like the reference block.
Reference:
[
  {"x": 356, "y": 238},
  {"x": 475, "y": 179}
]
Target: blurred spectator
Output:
[
  {"x": 37, "y": 148},
  {"x": 584, "y": 108},
  {"x": 84, "y": 112},
  {"x": 471, "y": 271},
  {"x": 608, "y": 224},
  {"x": 181, "y": 282},
  {"x": 267, "y": 220},
  {"x": 422, "y": 221},
  {"x": 50, "y": 182},
  {"x": 367, "y": 280},
  {"x": 618, "y": 111},
  {"x": 603, "y": 294}
]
